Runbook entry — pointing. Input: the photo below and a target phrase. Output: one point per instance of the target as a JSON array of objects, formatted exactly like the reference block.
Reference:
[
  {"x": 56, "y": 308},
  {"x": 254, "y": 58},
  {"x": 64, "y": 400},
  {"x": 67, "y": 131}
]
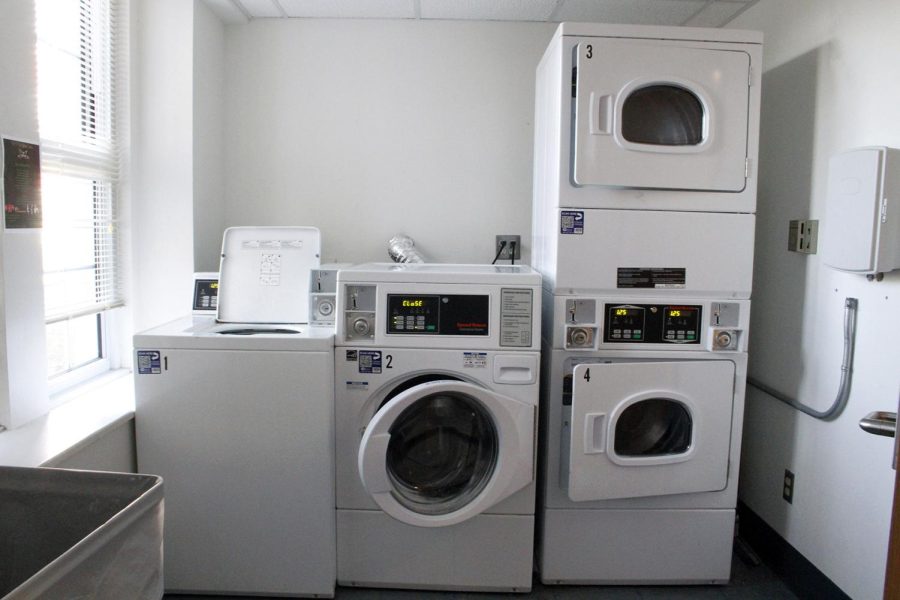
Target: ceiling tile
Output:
[
  {"x": 489, "y": 10},
  {"x": 349, "y": 9},
  {"x": 227, "y": 11},
  {"x": 636, "y": 12},
  {"x": 261, "y": 9},
  {"x": 716, "y": 14}
]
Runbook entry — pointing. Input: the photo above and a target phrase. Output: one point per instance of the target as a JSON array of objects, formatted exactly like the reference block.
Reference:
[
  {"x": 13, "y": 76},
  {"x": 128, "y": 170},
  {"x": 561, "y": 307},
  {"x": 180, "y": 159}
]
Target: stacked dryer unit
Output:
[{"x": 645, "y": 192}]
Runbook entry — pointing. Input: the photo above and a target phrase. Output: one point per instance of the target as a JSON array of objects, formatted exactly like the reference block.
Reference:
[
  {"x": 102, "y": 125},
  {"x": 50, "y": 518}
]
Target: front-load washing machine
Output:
[
  {"x": 238, "y": 420},
  {"x": 436, "y": 394},
  {"x": 641, "y": 416}
]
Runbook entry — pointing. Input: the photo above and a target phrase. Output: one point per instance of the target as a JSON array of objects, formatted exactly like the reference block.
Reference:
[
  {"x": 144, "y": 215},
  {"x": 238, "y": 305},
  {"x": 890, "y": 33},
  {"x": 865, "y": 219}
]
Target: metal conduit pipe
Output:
[{"x": 843, "y": 392}]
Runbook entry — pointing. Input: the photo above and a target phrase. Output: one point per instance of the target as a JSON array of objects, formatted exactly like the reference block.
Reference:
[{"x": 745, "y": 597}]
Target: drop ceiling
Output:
[{"x": 694, "y": 13}]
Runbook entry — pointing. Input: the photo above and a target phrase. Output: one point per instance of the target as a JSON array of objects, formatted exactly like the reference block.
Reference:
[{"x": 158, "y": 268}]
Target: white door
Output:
[
  {"x": 660, "y": 116},
  {"x": 444, "y": 451},
  {"x": 649, "y": 428}
]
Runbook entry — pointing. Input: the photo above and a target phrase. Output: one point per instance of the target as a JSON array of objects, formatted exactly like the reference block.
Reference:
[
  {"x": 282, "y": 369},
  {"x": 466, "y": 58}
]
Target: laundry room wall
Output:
[
  {"x": 368, "y": 128},
  {"x": 830, "y": 83},
  {"x": 209, "y": 136}
]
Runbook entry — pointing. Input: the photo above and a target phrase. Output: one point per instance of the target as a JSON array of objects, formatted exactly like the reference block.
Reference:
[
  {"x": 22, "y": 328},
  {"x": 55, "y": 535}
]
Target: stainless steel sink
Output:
[{"x": 80, "y": 534}]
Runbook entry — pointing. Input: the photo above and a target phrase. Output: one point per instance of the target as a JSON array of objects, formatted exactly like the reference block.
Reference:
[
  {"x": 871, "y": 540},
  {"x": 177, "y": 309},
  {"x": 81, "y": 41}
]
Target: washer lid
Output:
[
  {"x": 264, "y": 274},
  {"x": 444, "y": 451}
]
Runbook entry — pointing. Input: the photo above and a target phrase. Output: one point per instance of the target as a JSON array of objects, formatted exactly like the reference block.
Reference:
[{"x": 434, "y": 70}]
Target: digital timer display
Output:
[
  {"x": 674, "y": 313},
  {"x": 418, "y": 303}
]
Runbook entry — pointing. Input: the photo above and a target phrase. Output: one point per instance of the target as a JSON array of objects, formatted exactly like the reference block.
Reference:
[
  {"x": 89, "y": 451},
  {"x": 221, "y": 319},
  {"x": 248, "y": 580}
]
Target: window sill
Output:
[{"x": 82, "y": 415}]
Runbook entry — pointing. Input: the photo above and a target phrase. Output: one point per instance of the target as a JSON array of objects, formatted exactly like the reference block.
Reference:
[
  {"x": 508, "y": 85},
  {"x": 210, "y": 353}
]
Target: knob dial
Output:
[
  {"x": 361, "y": 326},
  {"x": 579, "y": 337},
  {"x": 326, "y": 307},
  {"x": 723, "y": 339}
]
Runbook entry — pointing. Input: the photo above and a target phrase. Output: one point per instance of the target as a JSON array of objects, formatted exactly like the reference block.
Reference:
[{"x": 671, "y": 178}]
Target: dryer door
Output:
[
  {"x": 444, "y": 451},
  {"x": 648, "y": 429},
  {"x": 660, "y": 116}
]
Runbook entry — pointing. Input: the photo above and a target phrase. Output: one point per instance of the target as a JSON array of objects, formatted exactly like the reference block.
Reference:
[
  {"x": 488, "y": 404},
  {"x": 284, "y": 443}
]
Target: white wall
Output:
[
  {"x": 830, "y": 83},
  {"x": 370, "y": 128},
  {"x": 23, "y": 348},
  {"x": 209, "y": 135},
  {"x": 161, "y": 207}
]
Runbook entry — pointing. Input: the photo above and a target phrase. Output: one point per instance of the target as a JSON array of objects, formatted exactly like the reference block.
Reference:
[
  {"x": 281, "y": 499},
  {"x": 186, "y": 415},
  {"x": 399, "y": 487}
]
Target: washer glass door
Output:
[{"x": 443, "y": 451}]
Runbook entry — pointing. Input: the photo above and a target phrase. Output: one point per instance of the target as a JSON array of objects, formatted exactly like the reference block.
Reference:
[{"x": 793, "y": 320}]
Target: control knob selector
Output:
[
  {"x": 326, "y": 307},
  {"x": 361, "y": 326}
]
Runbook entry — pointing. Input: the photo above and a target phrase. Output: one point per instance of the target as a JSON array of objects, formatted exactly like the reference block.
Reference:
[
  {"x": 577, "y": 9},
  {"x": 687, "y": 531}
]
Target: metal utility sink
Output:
[{"x": 80, "y": 534}]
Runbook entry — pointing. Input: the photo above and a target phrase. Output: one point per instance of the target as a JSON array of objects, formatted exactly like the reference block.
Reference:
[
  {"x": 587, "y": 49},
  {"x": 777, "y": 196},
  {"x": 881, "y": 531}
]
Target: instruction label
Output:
[
  {"x": 571, "y": 222},
  {"x": 149, "y": 362},
  {"x": 656, "y": 278},
  {"x": 515, "y": 317},
  {"x": 370, "y": 361},
  {"x": 474, "y": 360}
]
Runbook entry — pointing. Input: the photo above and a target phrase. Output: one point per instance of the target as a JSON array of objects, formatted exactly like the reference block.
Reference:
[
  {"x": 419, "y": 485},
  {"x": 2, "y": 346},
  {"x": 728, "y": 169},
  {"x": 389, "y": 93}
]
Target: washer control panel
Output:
[
  {"x": 438, "y": 314},
  {"x": 652, "y": 323}
]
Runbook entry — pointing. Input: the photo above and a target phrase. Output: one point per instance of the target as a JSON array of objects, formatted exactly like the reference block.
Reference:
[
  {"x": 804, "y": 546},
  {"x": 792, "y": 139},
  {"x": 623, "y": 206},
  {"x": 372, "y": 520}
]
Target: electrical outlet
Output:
[
  {"x": 787, "y": 490},
  {"x": 505, "y": 254},
  {"x": 803, "y": 236}
]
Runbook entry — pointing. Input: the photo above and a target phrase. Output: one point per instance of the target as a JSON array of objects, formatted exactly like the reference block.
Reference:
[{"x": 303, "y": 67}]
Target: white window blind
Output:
[{"x": 80, "y": 56}]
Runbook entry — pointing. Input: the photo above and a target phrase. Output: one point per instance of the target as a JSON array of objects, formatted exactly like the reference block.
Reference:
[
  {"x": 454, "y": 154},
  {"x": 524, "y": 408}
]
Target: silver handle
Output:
[{"x": 880, "y": 423}]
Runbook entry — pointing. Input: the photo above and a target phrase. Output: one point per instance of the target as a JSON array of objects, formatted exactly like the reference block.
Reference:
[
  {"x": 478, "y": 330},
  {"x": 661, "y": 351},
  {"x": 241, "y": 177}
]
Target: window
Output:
[{"x": 79, "y": 79}]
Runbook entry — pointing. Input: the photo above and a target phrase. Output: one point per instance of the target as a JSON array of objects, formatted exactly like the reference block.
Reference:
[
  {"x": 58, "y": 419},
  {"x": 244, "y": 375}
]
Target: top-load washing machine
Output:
[
  {"x": 436, "y": 394},
  {"x": 660, "y": 120},
  {"x": 238, "y": 420}
]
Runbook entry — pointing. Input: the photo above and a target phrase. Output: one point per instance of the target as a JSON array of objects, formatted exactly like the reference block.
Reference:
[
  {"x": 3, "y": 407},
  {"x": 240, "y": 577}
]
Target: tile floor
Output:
[{"x": 747, "y": 582}]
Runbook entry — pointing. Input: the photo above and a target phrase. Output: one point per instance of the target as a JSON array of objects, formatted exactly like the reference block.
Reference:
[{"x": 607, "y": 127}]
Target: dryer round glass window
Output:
[
  {"x": 442, "y": 452},
  {"x": 663, "y": 115},
  {"x": 653, "y": 427}
]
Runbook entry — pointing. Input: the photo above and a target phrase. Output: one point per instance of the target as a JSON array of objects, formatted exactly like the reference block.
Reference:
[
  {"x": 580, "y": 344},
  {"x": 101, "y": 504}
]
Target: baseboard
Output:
[{"x": 800, "y": 575}]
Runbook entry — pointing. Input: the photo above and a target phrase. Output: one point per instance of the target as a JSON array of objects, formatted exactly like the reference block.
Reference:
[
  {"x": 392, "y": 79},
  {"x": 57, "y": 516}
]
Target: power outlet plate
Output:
[
  {"x": 803, "y": 236},
  {"x": 505, "y": 254},
  {"x": 787, "y": 491}
]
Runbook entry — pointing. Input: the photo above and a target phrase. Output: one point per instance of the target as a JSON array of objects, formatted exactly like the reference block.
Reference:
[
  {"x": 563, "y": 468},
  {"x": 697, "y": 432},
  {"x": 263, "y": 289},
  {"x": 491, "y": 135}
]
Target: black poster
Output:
[{"x": 21, "y": 184}]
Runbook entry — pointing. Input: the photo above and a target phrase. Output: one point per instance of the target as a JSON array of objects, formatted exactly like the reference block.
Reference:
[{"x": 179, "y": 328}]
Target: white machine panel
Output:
[
  {"x": 708, "y": 165},
  {"x": 650, "y": 115},
  {"x": 648, "y": 429},
  {"x": 666, "y": 253},
  {"x": 448, "y": 306}
]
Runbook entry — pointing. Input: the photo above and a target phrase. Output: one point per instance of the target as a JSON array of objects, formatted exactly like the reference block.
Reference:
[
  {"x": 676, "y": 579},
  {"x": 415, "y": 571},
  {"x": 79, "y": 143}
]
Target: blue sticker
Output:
[
  {"x": 149, "y": 362},
  {"x": 571, "y": 222},
  {"x": 370, "y": 361}
]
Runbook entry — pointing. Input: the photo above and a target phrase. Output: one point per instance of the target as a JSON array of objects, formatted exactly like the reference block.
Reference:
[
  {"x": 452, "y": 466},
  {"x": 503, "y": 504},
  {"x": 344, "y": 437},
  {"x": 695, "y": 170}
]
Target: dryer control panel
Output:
[{"x": 652, "y": 323}]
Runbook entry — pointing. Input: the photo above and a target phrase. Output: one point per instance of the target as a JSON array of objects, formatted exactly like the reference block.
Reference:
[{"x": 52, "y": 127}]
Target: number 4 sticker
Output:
[{"x": 587, "y": 375}]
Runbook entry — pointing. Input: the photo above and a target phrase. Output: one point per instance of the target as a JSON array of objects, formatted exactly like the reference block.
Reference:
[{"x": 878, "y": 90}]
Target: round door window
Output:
[
  {"x": 662, "y": 115},
  {"x": 442, "y": 452},
  {"x": 653, "y": 427}
]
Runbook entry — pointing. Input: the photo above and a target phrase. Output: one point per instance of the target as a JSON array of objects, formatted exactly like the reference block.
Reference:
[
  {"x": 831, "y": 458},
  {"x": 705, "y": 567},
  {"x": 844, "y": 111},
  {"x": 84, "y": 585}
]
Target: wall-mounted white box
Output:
[{"x": 862, "y": 224}]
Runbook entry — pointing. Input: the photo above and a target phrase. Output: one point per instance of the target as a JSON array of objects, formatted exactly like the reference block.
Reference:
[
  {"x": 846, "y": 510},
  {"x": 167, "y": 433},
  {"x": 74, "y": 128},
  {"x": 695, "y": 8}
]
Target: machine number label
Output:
[
  {"x": 474, "y": 360},
  {"x": 370, "y": 361},
  {"x": 587, "y": 375},
  {"x": 571, "y": 222},
  {"x": 149, "y": 362}
]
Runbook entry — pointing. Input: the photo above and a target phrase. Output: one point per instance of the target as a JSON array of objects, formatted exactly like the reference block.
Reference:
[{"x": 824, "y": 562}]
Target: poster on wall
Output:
[{"x": 21, "y": 184}]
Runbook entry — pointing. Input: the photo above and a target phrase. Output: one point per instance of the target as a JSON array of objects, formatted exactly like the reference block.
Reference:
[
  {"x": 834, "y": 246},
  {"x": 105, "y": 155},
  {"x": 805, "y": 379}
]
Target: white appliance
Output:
[
  {"x": 641, "y": 423},
  {"x": 663, "y": 122},
  {"x": 238, "y": 420},
  {"x": 651, "y": 118},
  {"x": 436, "y": 395}
]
